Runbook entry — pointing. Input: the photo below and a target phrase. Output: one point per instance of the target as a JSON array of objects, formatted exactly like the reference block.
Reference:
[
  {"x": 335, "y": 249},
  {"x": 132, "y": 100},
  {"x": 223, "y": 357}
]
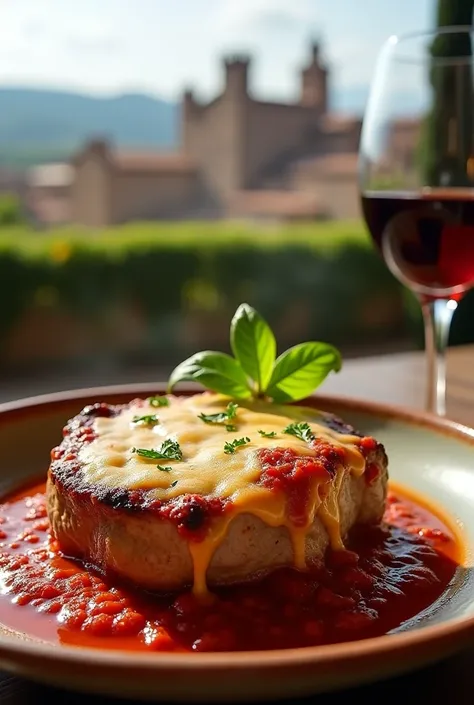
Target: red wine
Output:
[{"x": 426, "y": 238}]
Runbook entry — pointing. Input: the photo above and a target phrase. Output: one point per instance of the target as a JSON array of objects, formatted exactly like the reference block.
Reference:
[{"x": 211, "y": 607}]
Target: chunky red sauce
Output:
[
  {"x": 284, "y": 470},
  {"x": 385, "y": 577}
]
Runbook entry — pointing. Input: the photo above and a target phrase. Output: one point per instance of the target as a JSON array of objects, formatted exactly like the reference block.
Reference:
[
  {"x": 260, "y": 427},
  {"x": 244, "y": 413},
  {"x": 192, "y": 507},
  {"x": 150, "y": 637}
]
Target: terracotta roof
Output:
[
  {"x": 153, "y": 162},
  {"x": 404, "y": 134},
  {"x": 340, "y": 123},
  {"x": 344, "y": 164},
  {"x": 408, "y": 123},
  {"x": 275, "y": 204}
]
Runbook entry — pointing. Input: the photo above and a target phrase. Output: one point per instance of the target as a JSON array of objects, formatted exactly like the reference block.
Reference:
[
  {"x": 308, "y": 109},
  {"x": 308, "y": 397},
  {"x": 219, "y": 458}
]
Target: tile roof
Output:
[
  {"x": 275, "y": 204},
  {"x": 339, "y": 123},
  {"x": 344, "y": 164},
  {"x": 152, "y": 162}
]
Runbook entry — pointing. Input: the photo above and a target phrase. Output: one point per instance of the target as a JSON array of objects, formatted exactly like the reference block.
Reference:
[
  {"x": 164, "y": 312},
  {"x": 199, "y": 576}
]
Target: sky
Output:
[{"x": 161, "y": 46}]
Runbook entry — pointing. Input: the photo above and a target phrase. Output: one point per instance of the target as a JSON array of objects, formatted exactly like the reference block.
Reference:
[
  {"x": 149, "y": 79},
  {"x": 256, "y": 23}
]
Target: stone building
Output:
[
  {"x": 239, "y": 157},
  {"x": 116, "y": 187},
  {"x": 49, "y": 191},
  {"x": 241, "y": 143}
]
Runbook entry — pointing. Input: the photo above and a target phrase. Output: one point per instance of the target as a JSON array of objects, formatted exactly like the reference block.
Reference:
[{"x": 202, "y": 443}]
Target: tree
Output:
[{"x": 447, "y": 140}]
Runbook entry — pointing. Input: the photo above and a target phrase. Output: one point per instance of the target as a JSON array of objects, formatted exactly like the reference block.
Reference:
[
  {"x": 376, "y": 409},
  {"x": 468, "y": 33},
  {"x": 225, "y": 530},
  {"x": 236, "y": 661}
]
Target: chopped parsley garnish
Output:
[
  {"x": 169, "y": 450},
  {"x": 269, "y": 434},
  {"x": 174, "y": 483},
  {"x": 164, "y": 468},
  {"x": 158, "y": 401},
  {"x": 232, "y": 410},
  {"x": 150, "y": 420},
  {"x": 300, "y": 430},
  {"x": 222, "y": 416},
  {"x": 148, "y": 453},
  {"x": 231, "y": 447}
]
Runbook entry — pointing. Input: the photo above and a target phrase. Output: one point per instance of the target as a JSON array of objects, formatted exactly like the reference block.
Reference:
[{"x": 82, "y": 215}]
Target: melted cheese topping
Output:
[{"x": 207, "y": 470}]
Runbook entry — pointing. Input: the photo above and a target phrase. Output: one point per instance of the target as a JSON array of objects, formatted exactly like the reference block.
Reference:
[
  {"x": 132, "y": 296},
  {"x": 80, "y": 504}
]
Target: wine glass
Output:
[{"x": 416, "y": 178}]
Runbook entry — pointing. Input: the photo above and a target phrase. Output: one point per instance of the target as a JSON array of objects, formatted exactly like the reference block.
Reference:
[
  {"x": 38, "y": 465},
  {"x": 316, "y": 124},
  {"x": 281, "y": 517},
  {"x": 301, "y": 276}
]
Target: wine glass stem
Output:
[{"x": 437, "y": 316}]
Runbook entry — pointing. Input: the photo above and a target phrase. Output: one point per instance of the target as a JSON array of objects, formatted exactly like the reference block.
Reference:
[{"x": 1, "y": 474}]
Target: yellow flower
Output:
[{"x": 60, "y": 251}]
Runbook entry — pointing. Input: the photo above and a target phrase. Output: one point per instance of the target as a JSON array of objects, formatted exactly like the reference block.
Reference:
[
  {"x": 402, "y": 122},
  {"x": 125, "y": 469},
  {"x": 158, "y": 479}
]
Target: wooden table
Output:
[
  {"x": 400, "y": 379},
  {"x": 397, "y": 379}
]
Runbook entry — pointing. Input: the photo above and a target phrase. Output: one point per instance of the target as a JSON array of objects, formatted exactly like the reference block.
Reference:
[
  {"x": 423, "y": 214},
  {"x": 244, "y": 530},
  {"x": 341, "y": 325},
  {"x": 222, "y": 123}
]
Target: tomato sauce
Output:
[
  {"x": 284, "y": 470},
  {"x": 386, "y": 576}
]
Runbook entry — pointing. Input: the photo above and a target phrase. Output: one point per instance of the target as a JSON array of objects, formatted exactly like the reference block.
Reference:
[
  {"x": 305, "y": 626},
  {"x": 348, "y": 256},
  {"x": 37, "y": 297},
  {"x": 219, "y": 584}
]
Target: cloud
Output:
[
  {"x": 276, "y": 21},
  {"x": 25, "y": 32},
  {"x": 34, "y": 29},
  {"x": 93, "y": 43},
  {"x": 267, "y": 16}
]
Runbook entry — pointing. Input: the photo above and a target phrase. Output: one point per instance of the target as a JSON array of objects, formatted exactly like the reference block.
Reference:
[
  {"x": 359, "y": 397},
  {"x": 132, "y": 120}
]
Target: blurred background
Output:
[{"x": 161, "y": 162}]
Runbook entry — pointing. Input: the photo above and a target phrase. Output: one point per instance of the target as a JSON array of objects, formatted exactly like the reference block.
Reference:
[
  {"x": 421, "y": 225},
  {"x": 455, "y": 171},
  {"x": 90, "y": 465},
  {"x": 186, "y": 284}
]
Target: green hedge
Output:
[
  {"x": 325, "y": 279},
  {"x": 10, "y": 210}
]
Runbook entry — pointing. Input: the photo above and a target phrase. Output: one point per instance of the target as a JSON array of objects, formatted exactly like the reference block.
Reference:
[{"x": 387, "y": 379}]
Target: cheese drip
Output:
[{"x": 205, "y": 469}]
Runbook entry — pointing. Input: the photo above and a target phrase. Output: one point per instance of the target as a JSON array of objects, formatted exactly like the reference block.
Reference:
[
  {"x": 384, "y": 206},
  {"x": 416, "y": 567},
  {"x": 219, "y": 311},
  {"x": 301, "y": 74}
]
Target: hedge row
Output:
[{"x": 324, "y": 279}]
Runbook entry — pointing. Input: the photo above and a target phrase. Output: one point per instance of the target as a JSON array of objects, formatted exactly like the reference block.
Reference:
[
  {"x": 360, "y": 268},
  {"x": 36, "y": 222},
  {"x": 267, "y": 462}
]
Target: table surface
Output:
[{"x": 395, "y": 379}]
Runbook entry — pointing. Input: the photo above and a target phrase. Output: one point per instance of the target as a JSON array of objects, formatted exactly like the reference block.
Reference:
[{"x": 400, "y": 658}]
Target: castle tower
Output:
[
  {"x": 236, "y": 70},
  {"x": 189, "y": 101},
  {"x": 234, "y": 115},
  {"x": 314, "y": 82},
  {"x": 215, "y": 134},
  {"x": 189, "y": 108}
]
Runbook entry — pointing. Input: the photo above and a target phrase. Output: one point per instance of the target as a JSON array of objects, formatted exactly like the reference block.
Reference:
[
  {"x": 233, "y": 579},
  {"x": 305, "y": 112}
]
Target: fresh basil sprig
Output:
[
  {"x": 215, "y": 371},
  {"x": 254, "y": 346},
  {"x": 254, "y": 371}
]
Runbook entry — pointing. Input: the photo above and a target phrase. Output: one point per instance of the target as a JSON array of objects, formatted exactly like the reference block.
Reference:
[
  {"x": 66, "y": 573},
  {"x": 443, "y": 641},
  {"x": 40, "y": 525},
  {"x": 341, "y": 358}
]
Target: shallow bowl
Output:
[{"x": 429, "y": 456}]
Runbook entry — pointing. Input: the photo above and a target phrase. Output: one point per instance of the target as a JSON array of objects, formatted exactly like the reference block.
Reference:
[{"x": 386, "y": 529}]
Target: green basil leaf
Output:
[
  {"x": 253, "y": 344},
  {"x": 301, "y": 369},
  {"x": 215, "y": 371}
]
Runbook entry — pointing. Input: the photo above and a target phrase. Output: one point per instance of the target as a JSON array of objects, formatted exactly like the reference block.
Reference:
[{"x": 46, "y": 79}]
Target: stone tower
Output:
[
  {"x": 235, "y": 109},
  {"x": 314, "y": 82},
  {"x": 189, "y": 112},
  {"x": 215, "y": 135},
  {"x": 236, "y": 70}
]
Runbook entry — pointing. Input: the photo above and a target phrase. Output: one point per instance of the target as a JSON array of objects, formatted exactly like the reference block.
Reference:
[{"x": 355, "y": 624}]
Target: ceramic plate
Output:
[{"x": 430, "y": 456}]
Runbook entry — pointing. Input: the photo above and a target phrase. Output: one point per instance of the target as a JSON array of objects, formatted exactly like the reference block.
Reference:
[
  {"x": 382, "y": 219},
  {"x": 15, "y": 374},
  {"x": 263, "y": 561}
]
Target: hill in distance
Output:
[
  {"x": 39, "y": 125},
  {"x": 45, "y": 125}
]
